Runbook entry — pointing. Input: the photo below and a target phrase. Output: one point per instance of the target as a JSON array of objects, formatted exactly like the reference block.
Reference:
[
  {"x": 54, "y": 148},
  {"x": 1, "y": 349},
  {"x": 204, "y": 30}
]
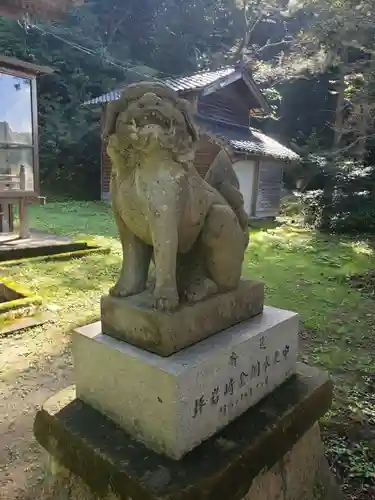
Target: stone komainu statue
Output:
[{"x": 194, "y": 229}]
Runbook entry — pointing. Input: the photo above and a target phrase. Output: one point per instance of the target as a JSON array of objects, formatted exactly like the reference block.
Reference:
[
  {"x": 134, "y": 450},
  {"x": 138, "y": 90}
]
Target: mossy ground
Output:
[{"x": 303, "y": 271}]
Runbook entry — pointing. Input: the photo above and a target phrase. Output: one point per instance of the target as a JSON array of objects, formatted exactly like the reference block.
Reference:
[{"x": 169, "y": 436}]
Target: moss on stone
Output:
[
  {"x": 9, "y": 255},
  {"x": 23, "y": 298},
  {"x": 74, "y": 254}
]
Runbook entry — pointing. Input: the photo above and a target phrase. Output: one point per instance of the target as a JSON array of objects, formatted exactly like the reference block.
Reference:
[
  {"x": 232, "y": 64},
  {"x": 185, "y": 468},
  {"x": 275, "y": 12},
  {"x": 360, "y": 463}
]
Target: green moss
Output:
[
  {"x": 25, "y": 298},
  {"x": 21, "y": 254},
  {"x": 75, "y": 254}
]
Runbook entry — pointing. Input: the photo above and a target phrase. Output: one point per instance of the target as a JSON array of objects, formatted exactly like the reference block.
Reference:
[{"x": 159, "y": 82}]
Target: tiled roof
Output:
[
  {"x": 197, "y": 81},
  {"x": 113, "y": 95},
  {"x": 248, "y": 140}
]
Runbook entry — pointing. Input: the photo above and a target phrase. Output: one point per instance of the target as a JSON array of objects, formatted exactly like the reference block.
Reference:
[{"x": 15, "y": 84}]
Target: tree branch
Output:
[{"x": 273, "y": 44}]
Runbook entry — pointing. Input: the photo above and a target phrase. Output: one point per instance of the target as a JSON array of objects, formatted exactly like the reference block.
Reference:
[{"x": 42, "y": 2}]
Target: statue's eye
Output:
[{"x": 140, "y": 105}]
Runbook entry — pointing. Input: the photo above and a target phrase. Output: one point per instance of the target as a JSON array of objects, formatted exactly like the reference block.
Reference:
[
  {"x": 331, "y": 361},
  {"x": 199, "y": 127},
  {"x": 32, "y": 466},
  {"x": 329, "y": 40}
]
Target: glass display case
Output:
[
  {"x": 19, "y": 169},
  {"x": 17, "y": 138}
]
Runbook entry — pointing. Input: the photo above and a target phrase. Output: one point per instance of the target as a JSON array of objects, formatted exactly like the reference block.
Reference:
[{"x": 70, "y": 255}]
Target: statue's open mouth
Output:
[{"x": 153, "y": 117}]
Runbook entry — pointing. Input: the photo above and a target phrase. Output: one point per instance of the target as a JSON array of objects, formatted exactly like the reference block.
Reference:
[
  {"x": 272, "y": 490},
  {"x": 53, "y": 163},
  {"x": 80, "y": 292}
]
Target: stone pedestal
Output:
[
  {"x": 173, "y": 404},
  {"x": 135, "y": 321},
  {"x": 272, "y": 452}
]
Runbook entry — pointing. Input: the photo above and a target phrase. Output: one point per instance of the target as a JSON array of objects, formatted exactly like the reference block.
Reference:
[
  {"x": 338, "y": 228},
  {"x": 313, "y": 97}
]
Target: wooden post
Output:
[
  {"x": 23, "y": 215},
  {"x": 255, "y": 188},
  {"x": 6, "y": 213}
]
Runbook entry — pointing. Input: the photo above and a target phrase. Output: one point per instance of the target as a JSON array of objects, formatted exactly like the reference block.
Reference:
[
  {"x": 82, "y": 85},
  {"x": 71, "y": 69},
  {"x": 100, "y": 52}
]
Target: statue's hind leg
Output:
[{"x": 224, "y": 243}]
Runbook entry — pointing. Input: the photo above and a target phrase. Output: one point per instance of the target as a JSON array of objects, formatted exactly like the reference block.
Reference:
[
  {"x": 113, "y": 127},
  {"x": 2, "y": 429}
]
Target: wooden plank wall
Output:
[
  {"x": 232, "y": 104},
  {"x": 269, "y": 188}
]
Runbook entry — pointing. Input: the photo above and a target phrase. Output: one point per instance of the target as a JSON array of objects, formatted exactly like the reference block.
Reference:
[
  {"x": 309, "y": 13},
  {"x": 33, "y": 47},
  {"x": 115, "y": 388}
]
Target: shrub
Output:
[{"x": 347, "y": 202}]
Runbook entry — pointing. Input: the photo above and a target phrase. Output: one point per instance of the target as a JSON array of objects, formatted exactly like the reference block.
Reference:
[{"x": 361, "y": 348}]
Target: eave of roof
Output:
[
  {"x": 200, "y": 80},
  {"x": 203, "y": 81},
  {"x": 14, "y": 64},
  {"x": 248, "y": 141}
]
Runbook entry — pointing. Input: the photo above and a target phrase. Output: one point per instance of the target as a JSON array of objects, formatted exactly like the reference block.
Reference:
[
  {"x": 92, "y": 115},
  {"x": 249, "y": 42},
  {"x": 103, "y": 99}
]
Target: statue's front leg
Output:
[
  {"x": 165, "y": 242},
  {"x": 136, "y": 257},
  {"x": 165, "y": 254}
]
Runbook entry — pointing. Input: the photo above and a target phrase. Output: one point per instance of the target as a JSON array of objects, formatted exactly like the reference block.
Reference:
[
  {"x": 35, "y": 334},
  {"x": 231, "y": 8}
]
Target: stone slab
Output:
[
  {"x": 8, "y": 327},
  {"x": 39, "y": 244},
  {"x": 134, "y": 320},
  {"x": 173, "y": 404},
  {"x": 226, "y": 466}
]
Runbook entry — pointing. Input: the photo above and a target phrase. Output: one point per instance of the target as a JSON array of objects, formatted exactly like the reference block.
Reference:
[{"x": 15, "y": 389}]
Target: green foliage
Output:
[
  {"x": 350, "y": 206},
  {"x": 291, "y": 206},
  {"x": 98, "y": 47},
  {"x": 354, "y": 459},
  {"x": 69, "y": 132}
]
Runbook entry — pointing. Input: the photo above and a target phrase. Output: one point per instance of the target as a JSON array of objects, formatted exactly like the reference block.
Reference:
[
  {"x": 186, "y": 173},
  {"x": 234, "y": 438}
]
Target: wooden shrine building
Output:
[{"x": 226, "y": 102}]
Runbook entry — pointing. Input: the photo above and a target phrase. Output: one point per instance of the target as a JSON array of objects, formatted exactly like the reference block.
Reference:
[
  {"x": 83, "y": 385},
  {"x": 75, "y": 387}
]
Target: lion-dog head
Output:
[{"x": 150, "y": 117}]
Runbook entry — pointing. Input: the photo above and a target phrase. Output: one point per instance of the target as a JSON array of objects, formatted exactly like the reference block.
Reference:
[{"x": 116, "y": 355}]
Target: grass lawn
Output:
[{"x": 303, "y": 271}]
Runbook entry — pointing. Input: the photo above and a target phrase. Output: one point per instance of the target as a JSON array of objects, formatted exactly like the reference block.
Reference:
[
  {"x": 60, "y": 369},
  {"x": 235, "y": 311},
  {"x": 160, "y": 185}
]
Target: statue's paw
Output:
[
  {"x": 166, "y": 299},
  {"x": 120, "y": 290},
  {"x": 117, "y": 291},
  {"x": 200, "y": 289}
]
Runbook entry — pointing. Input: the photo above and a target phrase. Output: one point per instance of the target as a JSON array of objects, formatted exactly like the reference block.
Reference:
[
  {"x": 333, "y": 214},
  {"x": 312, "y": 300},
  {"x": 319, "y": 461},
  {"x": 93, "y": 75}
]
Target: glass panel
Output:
[
  {"x": 15, "y": 110},
  {"x": 10, "y": 165}
]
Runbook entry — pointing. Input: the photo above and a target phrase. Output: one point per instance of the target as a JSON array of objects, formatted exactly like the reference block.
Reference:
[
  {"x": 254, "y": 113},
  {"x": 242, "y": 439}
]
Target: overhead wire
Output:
[{"x": 127, "y": 67}]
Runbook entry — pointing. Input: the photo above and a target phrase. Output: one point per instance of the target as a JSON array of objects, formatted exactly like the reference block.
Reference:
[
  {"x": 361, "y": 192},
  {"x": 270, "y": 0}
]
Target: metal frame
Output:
[
  {"x": 21, "y": 197},
  {"x": 34, "y": 119},
  {"x": 34, "y": 124}
]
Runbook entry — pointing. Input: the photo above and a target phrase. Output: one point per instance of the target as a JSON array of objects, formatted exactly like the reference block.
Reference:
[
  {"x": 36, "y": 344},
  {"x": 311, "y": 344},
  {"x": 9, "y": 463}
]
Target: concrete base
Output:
[
  {"x": 173, "y": 404},
  {"x": 134, "y": 319},
  {"x": 302, "y": 474},
  {"x": 272, "y": 452}
]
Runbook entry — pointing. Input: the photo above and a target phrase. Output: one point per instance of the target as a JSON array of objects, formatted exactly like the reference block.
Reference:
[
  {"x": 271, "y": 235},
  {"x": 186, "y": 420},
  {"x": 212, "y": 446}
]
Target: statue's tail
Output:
[{"x": 223, "y": 178}]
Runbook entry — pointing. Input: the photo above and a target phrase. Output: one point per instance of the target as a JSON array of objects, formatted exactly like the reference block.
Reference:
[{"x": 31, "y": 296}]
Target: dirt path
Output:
[{"x": 33, "y": 365}]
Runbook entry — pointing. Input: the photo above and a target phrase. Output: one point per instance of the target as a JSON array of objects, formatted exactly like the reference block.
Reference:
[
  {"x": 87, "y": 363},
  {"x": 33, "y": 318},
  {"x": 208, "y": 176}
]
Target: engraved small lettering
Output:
[
  {"x": 229, "y": 387},
  {"x": 215, "y": 396},
  {"x": 286, "y": 351},
  {"x": 277, "y": 358},
  {"x": 233, "y": 359},
  {"x": 243, "y": 379},
  {"x": 223, "y": 409},
  {"x": 266, "y": 364},
  {"x": 198, "y": 406},
  {"x": 255, "y": 370}
]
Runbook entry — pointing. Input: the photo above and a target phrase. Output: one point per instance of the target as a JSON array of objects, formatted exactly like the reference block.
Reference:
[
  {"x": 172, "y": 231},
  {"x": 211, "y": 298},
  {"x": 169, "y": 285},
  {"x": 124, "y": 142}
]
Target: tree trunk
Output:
[
  {"x": 339, "y": 114},
  {"x": 329, "y": 183},
  {"x": 365, "y": 119}
]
